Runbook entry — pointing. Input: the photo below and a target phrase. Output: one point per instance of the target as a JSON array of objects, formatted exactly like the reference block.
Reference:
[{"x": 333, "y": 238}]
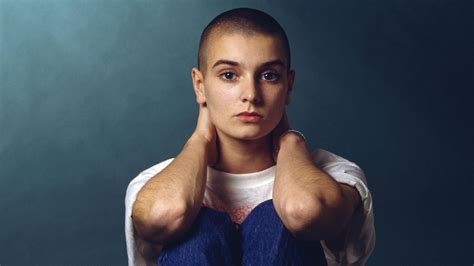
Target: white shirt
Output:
[{"x": 238, "y": 194}]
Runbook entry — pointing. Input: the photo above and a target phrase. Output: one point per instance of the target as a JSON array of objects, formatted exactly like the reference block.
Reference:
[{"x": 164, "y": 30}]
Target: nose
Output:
[{"x": 250, "y": 91}]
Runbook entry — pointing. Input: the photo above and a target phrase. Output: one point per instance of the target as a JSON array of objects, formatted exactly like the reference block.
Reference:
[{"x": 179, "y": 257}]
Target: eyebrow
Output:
[
  {"x": 225, "y": 62},
  {"x": 276, "y": 62}
]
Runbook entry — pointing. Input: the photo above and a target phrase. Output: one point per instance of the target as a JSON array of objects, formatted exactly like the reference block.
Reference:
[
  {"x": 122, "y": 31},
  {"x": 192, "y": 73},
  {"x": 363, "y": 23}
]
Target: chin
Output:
[
  {"x": 247, "y": 134},
  {"x": 249, "y": 137}
]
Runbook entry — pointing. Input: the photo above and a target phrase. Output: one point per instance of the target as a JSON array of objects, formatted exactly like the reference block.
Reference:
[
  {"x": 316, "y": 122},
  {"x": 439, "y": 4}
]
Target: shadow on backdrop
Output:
[{"x": 91, "y": 93}]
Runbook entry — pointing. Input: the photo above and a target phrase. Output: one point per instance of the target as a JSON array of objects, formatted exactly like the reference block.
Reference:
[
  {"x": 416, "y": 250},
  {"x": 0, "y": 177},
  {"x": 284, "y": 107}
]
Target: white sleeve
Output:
[
  {"x": 136, "y": 247},
  {"x": 360, "y": 238}
]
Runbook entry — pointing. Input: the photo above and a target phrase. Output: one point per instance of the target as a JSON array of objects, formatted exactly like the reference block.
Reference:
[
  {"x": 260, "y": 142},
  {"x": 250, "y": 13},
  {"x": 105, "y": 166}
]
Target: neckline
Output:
[{"x": 220, "y": 178}]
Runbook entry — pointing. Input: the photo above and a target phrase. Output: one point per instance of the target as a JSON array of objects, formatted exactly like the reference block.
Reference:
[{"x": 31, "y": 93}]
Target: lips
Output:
[{"x": 249, "y": 117}]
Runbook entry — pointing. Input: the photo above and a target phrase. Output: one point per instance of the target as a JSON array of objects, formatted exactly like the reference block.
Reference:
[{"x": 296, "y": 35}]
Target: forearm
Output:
[
  {"x": 168, "y": 203},
  {"x": 311, "y": 204}
]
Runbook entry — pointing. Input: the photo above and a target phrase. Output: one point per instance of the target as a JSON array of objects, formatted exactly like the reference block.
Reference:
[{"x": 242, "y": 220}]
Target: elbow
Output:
[
  {"x": 312, "y": 219},
  {"x": 299, "y": 217},
  {"x": 160, "y": 223}
]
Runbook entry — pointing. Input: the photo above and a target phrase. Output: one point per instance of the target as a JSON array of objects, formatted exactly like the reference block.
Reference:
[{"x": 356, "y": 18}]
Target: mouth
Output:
[{"x": 249, "y": 117}]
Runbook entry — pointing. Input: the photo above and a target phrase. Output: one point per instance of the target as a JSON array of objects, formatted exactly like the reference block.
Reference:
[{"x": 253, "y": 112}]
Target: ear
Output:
[
  {"x": 198, "y": 84},
  {"x": 291, "y": 80}
]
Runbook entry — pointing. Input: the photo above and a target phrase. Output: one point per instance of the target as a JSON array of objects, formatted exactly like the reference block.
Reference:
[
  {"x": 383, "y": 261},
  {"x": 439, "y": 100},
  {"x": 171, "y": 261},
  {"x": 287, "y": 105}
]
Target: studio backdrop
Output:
[{"x": 93, "y": 92}]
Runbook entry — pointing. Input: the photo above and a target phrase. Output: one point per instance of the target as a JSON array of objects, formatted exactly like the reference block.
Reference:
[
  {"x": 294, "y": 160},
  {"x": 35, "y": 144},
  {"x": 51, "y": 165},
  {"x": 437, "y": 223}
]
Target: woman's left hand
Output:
[{"x": 281, "y": 128}]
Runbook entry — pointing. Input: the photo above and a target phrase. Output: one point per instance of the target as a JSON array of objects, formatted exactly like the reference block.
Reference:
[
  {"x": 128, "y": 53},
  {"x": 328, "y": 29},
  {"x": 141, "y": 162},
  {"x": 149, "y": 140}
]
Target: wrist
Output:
[
  {"x": 201, "y": 138},
  {"x": 288, "y": 139},
  {"x": 291, "y": 136},
  {"x": 198, "y": 140},
  {"x": 209, "y": 146}
]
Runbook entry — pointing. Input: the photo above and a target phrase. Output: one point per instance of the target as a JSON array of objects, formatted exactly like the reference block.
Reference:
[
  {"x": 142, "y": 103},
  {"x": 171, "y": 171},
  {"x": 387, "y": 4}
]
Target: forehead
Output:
[{"x": 249, "y": 50}]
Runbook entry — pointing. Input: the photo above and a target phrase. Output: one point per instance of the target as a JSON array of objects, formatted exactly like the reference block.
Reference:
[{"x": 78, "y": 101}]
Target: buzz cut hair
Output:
[{"x": 245, "y": 21}]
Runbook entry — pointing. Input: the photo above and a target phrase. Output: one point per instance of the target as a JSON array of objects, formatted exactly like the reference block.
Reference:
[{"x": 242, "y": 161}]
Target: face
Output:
[{"x": 246, "y": 84}]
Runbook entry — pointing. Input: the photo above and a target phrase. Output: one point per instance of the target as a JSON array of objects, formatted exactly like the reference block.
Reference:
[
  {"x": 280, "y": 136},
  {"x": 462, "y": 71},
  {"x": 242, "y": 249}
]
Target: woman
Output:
[{"x": 245, "y": 189}]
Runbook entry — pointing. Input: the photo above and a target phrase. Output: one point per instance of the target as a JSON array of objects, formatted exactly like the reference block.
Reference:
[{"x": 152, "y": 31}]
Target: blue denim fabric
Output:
[
  {"x": 212, "y": 240},
  {"x": 261, "y": 240}
]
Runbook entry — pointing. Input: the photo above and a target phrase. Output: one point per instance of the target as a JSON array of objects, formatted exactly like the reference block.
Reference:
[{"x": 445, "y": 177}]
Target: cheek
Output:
[
  {"x": 219, "y": 103},
  {"x": 276, "y": 117},
  {"x": 277, "y": 101},
  {"x": 277, "y": 108}
]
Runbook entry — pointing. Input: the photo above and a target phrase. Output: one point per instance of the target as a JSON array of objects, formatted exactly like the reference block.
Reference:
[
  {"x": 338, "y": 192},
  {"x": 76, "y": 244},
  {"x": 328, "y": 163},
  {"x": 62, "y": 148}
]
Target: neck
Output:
[{"x": 244, "y": 156}]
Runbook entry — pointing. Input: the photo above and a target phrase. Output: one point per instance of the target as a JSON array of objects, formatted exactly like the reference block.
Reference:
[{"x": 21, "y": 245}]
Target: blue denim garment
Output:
[{"x": 261, "y": 240}]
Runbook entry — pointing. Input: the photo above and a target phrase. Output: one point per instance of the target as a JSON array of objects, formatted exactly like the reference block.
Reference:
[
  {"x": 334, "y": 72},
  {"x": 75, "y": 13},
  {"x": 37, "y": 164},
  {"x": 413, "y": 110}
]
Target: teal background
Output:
[{"x": 93, "y": 92}]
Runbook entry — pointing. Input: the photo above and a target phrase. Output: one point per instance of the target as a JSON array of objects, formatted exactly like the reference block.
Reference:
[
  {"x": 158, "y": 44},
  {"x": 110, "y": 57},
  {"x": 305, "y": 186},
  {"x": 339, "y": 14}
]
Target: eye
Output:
[
  {"x": 270, "y": 76},
  {"x": 228, "y": 76}
]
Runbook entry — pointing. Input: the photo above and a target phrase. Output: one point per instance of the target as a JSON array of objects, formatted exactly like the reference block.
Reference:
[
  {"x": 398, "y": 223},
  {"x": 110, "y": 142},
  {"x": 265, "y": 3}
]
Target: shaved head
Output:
[{"x": 244, "y": 21}]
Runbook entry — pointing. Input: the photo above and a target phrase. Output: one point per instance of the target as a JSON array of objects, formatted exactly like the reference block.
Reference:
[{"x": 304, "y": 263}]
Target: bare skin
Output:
[{"x": 309, "y": 202}]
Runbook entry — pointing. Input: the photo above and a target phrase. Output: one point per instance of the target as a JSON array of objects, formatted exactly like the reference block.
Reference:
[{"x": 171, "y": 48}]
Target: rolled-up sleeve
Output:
[
  {"x": 136, "y": 247},
  {"x": 360, "y": 237}
]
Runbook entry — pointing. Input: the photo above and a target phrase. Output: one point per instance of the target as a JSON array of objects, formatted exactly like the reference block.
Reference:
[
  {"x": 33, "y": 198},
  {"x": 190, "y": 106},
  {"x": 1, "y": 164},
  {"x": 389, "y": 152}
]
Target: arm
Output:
[
  {"x": 310, "y": 203},
  {"x": 168, "y": 203}
]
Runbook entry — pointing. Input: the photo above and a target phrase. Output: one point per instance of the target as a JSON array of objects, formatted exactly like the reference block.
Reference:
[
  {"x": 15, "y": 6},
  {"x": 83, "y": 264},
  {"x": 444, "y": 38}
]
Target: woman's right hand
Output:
[{"x": 206, "y": 131}]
